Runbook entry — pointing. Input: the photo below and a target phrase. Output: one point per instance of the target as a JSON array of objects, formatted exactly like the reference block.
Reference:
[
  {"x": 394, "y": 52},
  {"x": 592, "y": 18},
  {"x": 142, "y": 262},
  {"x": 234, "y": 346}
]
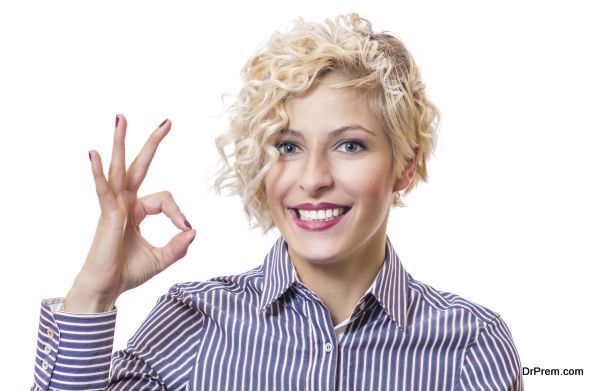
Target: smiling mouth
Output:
[{"x": 321, "y": 214}]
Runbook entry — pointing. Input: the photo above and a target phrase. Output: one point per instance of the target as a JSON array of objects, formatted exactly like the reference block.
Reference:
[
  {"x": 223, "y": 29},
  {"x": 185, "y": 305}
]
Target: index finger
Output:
[{"x": 139, "y": 167}]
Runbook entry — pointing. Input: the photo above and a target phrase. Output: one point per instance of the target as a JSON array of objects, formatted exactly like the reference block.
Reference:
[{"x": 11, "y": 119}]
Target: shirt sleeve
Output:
[
  {"x": 491, "y": 362},
  {"x": 74, "y": 350}
]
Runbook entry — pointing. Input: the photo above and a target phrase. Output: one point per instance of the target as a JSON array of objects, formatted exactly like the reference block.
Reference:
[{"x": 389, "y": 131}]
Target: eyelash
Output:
[{"x": 356, "y": 142}]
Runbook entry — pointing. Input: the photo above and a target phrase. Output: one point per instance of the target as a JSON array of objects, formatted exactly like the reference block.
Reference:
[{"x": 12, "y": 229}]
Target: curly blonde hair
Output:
[{"x": 290, "y": 64}]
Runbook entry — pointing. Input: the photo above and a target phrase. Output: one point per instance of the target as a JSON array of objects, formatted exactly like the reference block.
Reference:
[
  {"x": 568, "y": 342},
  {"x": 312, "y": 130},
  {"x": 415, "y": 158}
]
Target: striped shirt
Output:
[{"x": 266, "y": 330}]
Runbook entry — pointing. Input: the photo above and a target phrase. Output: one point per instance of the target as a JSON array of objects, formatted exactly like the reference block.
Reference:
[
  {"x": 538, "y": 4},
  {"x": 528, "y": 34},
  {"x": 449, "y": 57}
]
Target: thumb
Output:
[{"x": 176, "y": 248}]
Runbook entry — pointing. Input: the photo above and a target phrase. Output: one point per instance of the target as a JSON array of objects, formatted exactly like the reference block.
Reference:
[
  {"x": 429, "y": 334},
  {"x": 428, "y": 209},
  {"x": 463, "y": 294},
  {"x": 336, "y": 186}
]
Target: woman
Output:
[{"x": 330, "y": 129}]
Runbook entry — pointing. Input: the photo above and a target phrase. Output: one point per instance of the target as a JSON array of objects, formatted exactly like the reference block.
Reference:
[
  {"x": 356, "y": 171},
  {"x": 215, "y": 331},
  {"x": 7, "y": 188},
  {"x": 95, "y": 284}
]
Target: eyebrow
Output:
[{"x": 332, "y": 134}]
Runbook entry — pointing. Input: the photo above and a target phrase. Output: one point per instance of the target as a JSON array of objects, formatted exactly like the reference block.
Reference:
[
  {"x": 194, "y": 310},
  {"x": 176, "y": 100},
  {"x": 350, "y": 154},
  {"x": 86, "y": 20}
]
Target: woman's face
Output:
[{"x": 330, "y": 190}]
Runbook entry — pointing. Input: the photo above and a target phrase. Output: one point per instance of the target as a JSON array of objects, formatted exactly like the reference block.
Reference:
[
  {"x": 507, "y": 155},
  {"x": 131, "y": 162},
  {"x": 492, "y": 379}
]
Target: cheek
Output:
[
  {"x": 374, "y": 191},
  {"x": 277, "y": 185},
  {"x": 370, "y": 183}
]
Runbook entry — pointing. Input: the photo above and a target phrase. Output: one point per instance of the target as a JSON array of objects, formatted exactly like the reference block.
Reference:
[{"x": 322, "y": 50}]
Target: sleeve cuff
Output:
[{"x": 73, "y": 350}]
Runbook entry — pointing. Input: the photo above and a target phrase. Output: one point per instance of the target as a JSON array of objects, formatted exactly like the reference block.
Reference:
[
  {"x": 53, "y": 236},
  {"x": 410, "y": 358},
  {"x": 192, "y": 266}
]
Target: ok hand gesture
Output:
[{"x": 120, "y": 258}]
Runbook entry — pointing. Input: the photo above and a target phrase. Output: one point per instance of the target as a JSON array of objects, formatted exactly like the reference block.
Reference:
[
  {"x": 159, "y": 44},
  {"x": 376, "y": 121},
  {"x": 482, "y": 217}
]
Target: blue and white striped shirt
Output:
[{"x": 266, "y": 330}]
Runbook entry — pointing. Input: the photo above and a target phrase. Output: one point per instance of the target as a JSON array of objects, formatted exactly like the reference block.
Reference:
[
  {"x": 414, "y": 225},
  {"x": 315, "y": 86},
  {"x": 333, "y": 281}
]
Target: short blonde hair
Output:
[{"x": 290, "y": 64}]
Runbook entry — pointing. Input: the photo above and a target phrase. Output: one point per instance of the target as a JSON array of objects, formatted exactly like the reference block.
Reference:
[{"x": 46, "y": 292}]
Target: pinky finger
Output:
[{"x": 106, "y": 199}]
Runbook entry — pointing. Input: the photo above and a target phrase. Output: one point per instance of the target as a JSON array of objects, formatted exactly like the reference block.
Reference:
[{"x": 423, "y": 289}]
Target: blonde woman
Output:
[{"x": 330, "y": 129}]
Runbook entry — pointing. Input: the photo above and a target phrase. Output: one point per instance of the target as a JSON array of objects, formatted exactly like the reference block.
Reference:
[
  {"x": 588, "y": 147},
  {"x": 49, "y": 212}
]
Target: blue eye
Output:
[
  {"x": 352, "y": 146},
  {"x": 286, "y": 148}
]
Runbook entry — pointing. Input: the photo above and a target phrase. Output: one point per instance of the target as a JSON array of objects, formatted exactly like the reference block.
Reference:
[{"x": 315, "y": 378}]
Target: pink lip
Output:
[
  {"x": 321, "y": 205},
  {"x": 315, "y": 225}
]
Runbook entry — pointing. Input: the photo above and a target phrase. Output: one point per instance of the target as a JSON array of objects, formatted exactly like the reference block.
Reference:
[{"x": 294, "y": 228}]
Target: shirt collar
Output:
[{"x": 390, "y": 287}]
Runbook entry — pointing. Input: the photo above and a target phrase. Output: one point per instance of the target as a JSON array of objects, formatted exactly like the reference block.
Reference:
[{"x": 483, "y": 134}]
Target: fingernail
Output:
[
  {"x": 162, "y": 123},
  {"x": 90, "y": 156},
  {"x": 187, "y": 224},
  {"x": 116, "y": 120}
]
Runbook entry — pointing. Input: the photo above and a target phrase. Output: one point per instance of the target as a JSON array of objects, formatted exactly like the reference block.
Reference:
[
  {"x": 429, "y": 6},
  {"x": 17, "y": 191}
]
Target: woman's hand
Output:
[{"x": 120, "y": 258}]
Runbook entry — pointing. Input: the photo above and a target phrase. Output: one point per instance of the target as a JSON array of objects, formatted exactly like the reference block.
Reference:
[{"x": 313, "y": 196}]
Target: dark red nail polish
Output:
[
  {"x": 162, "y": 123},
  {"x": 187, "y": 224},
  {"x": 116, "y": 120}
]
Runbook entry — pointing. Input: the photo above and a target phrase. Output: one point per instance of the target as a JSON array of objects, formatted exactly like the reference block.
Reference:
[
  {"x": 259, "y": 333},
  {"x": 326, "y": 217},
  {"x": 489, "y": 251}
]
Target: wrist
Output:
[{"x": 81, "y": 301}]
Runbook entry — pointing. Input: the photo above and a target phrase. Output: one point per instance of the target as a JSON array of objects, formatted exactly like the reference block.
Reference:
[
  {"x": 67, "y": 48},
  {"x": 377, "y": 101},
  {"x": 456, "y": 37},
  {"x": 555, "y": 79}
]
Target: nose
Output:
[{"x": 316, "y": 174}]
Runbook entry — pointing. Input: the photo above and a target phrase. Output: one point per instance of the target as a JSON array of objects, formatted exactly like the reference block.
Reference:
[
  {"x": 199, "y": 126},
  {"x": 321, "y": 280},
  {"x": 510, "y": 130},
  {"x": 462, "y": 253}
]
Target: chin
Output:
[{"x": 317, "y": 250}]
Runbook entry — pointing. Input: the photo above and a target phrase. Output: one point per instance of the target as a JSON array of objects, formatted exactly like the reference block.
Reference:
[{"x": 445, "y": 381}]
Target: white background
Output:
[{"x": 509, "y": 218}]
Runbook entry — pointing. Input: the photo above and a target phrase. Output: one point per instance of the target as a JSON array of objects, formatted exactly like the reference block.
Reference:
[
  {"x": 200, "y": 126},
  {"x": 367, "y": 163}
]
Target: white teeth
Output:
[{"x": 320, "y": 215}]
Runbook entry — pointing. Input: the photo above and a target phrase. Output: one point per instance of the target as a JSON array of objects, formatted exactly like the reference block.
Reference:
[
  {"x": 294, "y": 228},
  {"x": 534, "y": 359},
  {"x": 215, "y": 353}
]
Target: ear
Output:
[{"x": 405, "y": 177}]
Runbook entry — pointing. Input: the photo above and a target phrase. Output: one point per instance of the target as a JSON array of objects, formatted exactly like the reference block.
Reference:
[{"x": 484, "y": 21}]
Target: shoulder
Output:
[
  {"x": 444, "y": 303},
  {"x": 489, "y": 358},
  {"x": 204, "y": 294},
  {"x": 482, "y": 332}
]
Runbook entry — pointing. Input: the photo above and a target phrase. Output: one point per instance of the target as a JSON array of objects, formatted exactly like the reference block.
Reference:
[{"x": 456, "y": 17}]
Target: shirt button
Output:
[
  {"x": 49, "y": 332},
  {"x": 47, "y": 349},
  {"x": 328, "y": 347},
  {"x": 45, "y": 364},
  {"x": 362, "y": 306}
]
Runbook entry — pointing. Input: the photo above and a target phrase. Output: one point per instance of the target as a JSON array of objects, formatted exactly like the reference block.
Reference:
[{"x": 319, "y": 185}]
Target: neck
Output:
[{"x": 340, "y": 284}]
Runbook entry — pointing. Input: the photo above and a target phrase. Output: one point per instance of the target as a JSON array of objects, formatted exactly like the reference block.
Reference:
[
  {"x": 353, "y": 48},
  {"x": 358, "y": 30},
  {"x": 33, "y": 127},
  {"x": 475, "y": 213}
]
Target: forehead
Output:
[{"x": 324, "y": 107}]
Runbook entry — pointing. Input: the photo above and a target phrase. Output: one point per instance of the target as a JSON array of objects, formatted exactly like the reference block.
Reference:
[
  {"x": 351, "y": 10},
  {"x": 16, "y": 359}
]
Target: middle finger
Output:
[{"x": 116, "y": 170}]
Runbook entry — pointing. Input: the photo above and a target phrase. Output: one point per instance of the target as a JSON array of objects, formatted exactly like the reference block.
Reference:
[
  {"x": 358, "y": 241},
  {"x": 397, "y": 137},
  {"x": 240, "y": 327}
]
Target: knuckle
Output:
[
  {"x": 183, "y": 254},
  {"x": 102, "y": 190},
  {"x": 167, "y": 194},
  {"x": 155, "y": 138},
  {"x": 134, "y": 177},
  {"x": 151, "y": 142}
]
